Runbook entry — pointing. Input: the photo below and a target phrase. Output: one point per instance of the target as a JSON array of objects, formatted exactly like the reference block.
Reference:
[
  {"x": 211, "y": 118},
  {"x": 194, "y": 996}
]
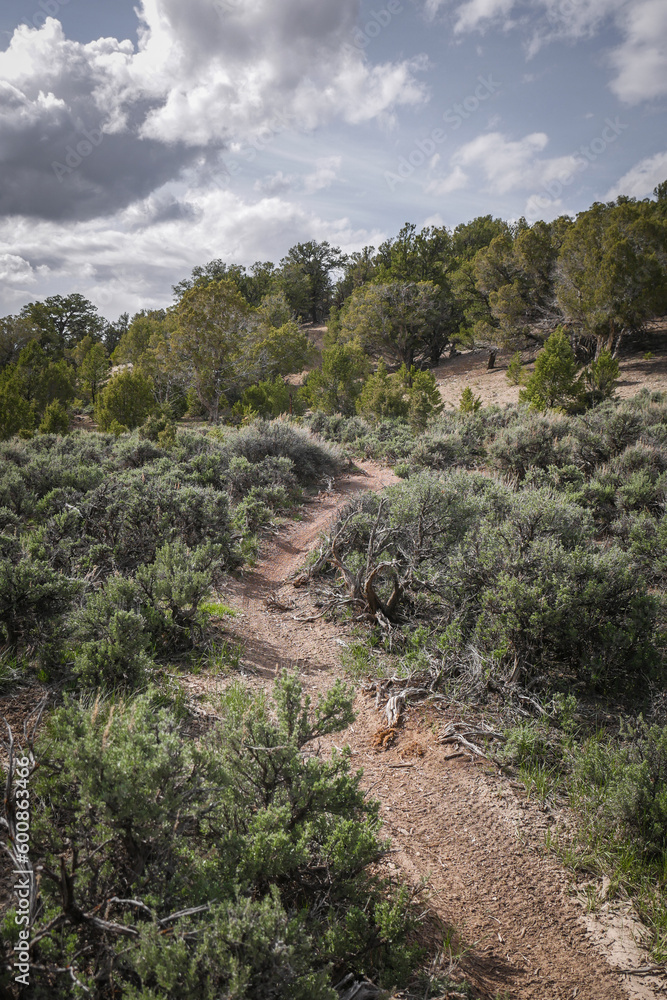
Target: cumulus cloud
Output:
[
  {"x": 453, "y": 181},
  {"x": 503, "y": 164},
  {"x": 130, "y": 262},
  {"x": 278, "y": 183},
  {"x": 473, "y": 13},
  {"x": 203, "y": 77},
  {"x": 641, "y": 180},
  {"x": 638, "y": 60},
  {"x": 641, "y": 61},
  {"x": 326, "y": 172}
]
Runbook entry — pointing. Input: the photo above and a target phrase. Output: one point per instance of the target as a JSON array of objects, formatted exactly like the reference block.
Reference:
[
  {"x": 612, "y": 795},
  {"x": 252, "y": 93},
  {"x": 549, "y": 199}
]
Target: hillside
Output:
[{"x": 465, "y": 723}]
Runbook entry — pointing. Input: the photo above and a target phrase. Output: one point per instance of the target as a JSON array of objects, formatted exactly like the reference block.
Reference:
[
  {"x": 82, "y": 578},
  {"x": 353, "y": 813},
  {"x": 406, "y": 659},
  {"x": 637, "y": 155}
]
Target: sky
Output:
[{"x": 139, "y": 139}]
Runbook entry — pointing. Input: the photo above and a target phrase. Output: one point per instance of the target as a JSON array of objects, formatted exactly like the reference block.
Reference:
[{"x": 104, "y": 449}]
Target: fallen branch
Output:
[
  {"x": 644, "y": 970},
  {"x": 461, "y": 733}
]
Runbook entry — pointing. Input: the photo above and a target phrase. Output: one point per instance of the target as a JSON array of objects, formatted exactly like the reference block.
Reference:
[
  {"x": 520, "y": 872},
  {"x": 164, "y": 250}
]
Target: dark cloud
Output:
[{"x": 83, "y": 173}]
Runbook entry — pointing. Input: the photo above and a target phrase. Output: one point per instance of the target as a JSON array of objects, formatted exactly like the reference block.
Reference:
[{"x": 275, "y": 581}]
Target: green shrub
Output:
[
  {"x": 469, "y": 402},
  {"x": 160, "y": 429},
  {"x": 639, "y": 794},
  {"x": 534, "y": 441},
  {"x": 33, "y": 597},
  {"x": 258, "y": 507},
  {"x": 126, "y": 401},
  {"x": 242, "y": 476},
  {"x": 269, "y": 398},
  {"x": 336, "y": 386},
  {"x": 311, "y": 457},
  {"x": 172, "y": 589},
  {"x": 424, "y": 399},
  {"x": 554, "y": 383},
  {"x": 111, "y": 638},
  {"x": 601, "y": 377},
  {"x": 16, "y": 412},
  {"x": 624, "y": 784},
  {"x": 269, "y": 850},
  {"x": 55, "y": 419},
  {"x": 514, "y": 373},
  {"x": 517, "y": 573},
  {"x": 383, "y": 395}
]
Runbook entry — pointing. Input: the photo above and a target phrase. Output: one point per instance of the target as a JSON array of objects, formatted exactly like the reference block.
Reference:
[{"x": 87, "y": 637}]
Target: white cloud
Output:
[
  {"x": 454, "y": 181},
  {"x": 507, "y": 165},
  {"x": 638, "y": 60},
  {"x": 202, "y": 78},
  {"x": 278, "y": 183},
  {"x": 473, "y": 13},
  {"x": 15, "y": 270},
  {"x": 641, "y": 61},
  {"x": 640, "y": 180},
  {"x": 123, "y": 264},
  {"x": 326, "y": 172}
]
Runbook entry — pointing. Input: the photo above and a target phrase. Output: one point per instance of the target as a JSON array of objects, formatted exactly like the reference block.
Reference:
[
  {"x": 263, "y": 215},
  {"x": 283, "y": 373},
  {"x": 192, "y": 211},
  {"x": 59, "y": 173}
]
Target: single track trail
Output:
[{"x": 521, "y": 930}]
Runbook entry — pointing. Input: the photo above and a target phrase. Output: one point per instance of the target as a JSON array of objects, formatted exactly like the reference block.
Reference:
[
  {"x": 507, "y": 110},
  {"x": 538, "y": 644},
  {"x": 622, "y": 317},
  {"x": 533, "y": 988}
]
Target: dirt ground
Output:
[
  {"x": 470, "y": 369},
  {"x": 521, "y": 925}
]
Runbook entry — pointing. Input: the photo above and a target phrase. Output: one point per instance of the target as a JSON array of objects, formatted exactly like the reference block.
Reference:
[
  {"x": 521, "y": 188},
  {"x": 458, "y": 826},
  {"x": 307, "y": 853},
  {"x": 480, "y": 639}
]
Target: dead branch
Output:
[{"x": 462, "y": 734}]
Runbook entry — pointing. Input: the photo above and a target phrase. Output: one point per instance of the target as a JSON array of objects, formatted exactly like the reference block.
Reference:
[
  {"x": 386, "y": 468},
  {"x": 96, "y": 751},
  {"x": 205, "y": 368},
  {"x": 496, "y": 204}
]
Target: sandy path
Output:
[{"x": 463, "y": 825}]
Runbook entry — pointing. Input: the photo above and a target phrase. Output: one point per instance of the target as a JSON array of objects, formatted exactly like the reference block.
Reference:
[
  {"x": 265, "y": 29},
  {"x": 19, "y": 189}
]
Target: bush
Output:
[
  {"x": 517, "y": 573},
  {"x": 639, "y": 795},
  {"x": 111, "y": 638},
  {"x": 269, "y": 398},
  {"x": 626, "y": 784},
  {"x": 383, "y": 395},
  {"x": 125, "y": 402},
  {"x": 256, "y": 855},
  {"x": 55, "y": 419},
  {"x": 532, "y": 442},
  {"x": 172, "y": 589},
  {"x": 514, "y": 373},
  {"x": 160, "y": 429},
  {"x": 311, "y": 457},
  {"x": 33, "y": 597},
  {"x": 336, "y": 386},
  {"x": 424, "y": 398},
  {"x": 469, "y": 402},
  {"x": 16, "y": 412},
  {"x": 554, "y": 383},
  {"x": 601, "y": 378}
]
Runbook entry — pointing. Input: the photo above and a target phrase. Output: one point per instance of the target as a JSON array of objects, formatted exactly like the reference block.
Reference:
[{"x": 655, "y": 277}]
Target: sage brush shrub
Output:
[
  {"x": 269, "y": 850},
  {"x": 517, "y": 573},
  {"x": 81, "y": 510},
  {"x": 624, "y": 784},
  {"x": 110, "y": 637},
  {"x": 33, "y": 598},
  {"x": 312, "y": 458},
  {"x": 533, "y": 441}
]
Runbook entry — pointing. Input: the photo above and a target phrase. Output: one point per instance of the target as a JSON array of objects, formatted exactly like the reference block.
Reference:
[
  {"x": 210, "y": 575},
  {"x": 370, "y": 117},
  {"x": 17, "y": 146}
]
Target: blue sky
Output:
[{"x": 140, "y": 139}]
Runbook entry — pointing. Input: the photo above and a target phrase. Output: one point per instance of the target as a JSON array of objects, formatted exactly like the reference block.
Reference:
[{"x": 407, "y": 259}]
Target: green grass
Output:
[{"x": 217, "y": 610}]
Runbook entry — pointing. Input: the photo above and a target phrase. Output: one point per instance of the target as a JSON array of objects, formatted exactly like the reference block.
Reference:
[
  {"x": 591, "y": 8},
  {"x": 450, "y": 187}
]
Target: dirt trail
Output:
[{"x": 467, "y": 828}]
